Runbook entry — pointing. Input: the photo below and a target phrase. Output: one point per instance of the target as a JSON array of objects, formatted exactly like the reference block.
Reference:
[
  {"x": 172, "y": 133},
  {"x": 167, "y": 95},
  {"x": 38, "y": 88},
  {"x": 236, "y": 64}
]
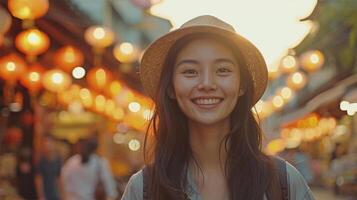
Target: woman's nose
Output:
[{"x": 207, "y": 82}]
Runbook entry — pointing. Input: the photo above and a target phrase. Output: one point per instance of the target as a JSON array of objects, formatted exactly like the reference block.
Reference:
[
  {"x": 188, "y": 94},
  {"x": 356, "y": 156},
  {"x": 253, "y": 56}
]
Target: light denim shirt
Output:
[{"x": 298, "y": 189}]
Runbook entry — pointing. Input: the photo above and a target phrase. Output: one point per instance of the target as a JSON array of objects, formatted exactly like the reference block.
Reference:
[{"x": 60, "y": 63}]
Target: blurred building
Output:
[
  {"x": 70, "y": 68},
  {"x": 314, "y": 102}
]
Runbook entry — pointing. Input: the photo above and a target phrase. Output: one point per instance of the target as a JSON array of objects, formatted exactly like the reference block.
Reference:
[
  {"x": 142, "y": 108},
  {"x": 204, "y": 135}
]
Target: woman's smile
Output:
[{"x": 207, "y": 102}]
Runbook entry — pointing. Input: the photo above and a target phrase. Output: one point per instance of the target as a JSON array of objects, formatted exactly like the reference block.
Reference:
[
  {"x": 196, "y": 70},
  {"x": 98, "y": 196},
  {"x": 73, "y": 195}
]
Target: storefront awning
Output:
[{"x": 336, "y": 92}]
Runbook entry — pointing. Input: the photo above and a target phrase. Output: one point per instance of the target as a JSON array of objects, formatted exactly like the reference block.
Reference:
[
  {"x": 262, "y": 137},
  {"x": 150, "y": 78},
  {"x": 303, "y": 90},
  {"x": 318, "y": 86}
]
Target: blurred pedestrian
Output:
[
  {"x": 25, "y": 175},
  {"x": 48, "y": 170},
  {"x": 205, "y": 79},
  {"x": 86, "y": 173},
  {"x": 338, "y": 151}
]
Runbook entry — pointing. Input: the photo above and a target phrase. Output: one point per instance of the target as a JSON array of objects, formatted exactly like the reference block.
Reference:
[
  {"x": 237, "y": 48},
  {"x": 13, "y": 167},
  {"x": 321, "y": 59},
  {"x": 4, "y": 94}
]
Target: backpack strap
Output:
[
  {"x": 283, "y": 179},
  {"x": 145, "y": 183}
]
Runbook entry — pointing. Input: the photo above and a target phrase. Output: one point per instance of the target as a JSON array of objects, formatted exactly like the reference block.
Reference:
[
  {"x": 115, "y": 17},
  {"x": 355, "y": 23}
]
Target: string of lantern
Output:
[
  {"x": 104, "y": 94},
  {"x": 295, "y": 69},
  {"x": 312, "y": 126}
]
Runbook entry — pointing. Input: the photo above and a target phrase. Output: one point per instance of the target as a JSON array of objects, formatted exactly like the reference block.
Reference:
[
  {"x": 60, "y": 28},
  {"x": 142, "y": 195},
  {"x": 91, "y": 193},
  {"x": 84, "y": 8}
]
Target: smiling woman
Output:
[{"x": 206, "y": 143}]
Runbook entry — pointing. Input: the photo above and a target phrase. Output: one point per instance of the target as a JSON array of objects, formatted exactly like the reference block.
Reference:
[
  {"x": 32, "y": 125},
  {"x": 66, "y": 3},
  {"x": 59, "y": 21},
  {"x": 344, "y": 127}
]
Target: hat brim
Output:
[{"x": 154, "y": 57}]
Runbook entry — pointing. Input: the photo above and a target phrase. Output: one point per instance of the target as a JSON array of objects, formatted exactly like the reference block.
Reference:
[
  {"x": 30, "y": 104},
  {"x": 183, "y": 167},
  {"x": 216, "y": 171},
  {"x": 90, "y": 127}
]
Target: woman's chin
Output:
[{"x": 207, "y": 121}]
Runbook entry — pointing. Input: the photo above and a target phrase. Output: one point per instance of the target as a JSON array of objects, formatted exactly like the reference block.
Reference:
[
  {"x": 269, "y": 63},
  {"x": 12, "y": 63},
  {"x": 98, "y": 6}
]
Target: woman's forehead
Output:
[{"x": 205, "y": 48}]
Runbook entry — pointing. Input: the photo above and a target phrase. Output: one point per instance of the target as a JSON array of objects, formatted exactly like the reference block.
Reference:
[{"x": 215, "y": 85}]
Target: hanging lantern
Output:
[
  {"x": 286, "y": 93},
  {"x": 145, "y": 4},
  {"x": 100, "y": 102},
  {"x": 32, "y": 79},
  {"x": 125, "y": 52},
  {"x": 86, "y": 97},
  {"x": 32, "y": 42},
  {"x": 134, "y": 107},
  {"x": 11, "y": 67},
  {"x": 68, "y": 57},
  {"x": 56, "y": 80},
  {"x": 296, "y": 80},
  {"x": 98, "y": 36},
  {"x": 5, "y": 20},
  {"x": 114, "y": 88},
  {"x": 28, "y": 9},
  {"x": 288, "y": 64},
  {"x": 109, "y": 107},
  {"x": 312, "y": 61},
  {"x": 278, "y": 102},
  {"x": 98, "y": 78},
  {"x": 78, "y": 72}
]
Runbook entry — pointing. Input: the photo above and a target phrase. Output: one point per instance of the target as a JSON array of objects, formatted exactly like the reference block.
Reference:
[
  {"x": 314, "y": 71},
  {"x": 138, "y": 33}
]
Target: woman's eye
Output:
[
  {"x": 223, "y": 70},
  {"x": 189, "y": 72}
]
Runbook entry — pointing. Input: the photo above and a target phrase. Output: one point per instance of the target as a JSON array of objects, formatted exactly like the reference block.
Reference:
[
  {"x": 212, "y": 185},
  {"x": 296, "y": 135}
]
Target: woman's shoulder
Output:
[
  {"x": 134, "y": 187},
  {"x": 298, "y": 188},
  {"x": 137, "y": 179}
]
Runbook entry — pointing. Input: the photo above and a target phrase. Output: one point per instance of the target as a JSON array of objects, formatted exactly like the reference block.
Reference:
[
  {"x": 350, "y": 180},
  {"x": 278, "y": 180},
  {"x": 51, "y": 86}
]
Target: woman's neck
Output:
[{"x": 206, "y": 143}]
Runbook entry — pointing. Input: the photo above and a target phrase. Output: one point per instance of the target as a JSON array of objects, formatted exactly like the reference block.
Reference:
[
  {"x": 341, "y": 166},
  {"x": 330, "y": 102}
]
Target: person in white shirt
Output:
[{"x": 83, "y": 172}]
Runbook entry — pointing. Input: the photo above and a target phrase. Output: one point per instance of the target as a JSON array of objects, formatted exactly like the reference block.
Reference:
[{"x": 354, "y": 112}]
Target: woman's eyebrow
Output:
[
  {"x": 187, "y": 61},
  {"x": 219, "y": 60}
]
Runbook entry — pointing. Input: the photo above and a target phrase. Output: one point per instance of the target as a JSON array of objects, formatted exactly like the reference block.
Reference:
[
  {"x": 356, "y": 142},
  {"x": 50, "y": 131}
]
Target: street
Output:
[{"x": 323, "y": 194}]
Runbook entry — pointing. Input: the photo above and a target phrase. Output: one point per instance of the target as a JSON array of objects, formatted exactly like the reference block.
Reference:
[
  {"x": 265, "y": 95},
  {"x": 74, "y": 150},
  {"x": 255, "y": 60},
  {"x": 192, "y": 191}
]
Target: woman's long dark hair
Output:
[{"x": 167, "y": 148}]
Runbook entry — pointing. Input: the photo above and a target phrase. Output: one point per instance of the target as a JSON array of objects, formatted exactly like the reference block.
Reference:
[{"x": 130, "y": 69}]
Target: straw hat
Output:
[{"x": 154, "y": 56}]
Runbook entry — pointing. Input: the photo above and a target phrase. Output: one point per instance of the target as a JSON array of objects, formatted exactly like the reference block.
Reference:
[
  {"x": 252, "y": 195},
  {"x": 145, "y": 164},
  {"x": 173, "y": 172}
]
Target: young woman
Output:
[{"x": 205, "y": 143}]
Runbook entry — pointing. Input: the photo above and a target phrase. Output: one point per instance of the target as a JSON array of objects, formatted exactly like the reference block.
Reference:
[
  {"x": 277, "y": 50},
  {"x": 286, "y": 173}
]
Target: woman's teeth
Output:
[{"x": 209, "y": 101}]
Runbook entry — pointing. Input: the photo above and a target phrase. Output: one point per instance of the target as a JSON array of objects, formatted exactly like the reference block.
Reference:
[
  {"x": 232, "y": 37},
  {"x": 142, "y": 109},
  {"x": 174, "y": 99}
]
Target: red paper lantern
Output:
[
  {"x": 68, "y": 57},
  {"x": 32, "y": 79},
  {"x": 296, "y": 80},
  {"x": 32, "y": 42},
  {"x": 312, "y": 60},
  {"x": 56, "y": 80},
  {"x": 11, "y": 67},
  {"x": 99, "y": 36},
  {"x": 28, "y": 9},
  {"x": 99, "y": 78}
]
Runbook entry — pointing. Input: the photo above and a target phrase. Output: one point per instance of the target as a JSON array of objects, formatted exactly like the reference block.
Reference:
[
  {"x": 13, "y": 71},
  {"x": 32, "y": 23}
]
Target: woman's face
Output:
[{"x": 206, "y": 81}]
